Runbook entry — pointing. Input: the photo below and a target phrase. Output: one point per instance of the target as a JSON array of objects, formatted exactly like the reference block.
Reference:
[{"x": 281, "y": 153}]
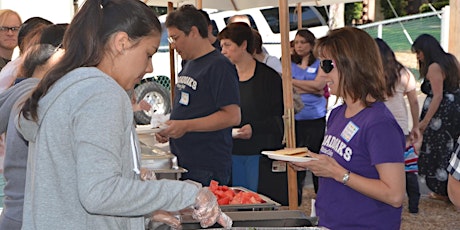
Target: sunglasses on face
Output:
[{"x": 327, "y": 65}]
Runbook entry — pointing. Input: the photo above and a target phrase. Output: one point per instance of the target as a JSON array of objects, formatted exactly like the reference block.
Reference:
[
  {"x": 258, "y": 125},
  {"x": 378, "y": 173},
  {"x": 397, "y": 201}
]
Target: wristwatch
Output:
[{"x": 346, "y": 177}]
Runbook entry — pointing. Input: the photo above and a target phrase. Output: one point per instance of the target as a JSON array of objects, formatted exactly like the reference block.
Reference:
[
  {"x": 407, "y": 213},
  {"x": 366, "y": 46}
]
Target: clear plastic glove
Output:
[
  {"x": 208, "y": 212},
  {"x": 147, "y": 174},
  {"x": 167, "y": 218}
]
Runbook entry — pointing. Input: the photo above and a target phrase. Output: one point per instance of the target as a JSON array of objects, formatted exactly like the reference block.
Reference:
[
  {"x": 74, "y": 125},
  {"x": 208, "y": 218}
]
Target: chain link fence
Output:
[{"x": 400, "y": 32}]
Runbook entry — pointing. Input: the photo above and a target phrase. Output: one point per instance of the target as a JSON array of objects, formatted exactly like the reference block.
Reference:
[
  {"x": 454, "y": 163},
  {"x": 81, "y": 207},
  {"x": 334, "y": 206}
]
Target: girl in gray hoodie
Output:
[{"x": 83, "y": 168}]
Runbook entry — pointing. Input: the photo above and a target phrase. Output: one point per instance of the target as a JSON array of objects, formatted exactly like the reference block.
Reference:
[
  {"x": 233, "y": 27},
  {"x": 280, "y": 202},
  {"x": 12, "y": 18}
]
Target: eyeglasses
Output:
[
  {"x": 13, "y": 29},
  {"x": 327, "y": 65},
  {"x": 172, "y": 39}
]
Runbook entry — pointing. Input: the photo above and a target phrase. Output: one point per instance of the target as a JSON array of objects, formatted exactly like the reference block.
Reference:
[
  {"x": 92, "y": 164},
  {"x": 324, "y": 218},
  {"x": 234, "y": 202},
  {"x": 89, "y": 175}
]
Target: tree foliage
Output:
[
  {"x": 353, "y": 12},
  {"x": 399, "y": 6},
  {"x": 438, "y": 5}
]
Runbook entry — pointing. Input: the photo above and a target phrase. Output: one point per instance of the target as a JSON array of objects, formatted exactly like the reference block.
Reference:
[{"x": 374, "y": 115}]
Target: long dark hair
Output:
[
  {"x": 391, "y": 67},
  {"x": 30, "y": 28},
  {"x": 35, "y": 57},
  {"x": 434, "y": 53},
  {"x": 310, "y": 38},
  {"x": 85, "y": 39}
]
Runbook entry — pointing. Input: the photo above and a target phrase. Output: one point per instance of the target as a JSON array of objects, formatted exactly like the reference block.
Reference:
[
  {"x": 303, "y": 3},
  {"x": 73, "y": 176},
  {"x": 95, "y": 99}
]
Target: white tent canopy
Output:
[{"x": 241, "y": 4}]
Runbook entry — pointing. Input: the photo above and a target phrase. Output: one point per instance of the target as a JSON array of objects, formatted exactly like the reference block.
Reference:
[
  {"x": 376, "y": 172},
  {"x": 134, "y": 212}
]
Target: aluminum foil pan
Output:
[{"x": 267, "y": 203}]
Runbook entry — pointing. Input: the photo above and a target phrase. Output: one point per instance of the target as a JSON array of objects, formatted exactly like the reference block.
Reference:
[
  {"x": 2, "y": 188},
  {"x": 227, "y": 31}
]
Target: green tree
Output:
[
  {"x": 398, "y": 5},
  {"x": 438, "y": 5},
  {"x": 353, "y": 12}
]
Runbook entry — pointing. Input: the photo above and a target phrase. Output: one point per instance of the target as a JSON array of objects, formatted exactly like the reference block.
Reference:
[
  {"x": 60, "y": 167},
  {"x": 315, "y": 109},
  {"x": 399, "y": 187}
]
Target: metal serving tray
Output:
[
  {"x": 274, "y": 228},
  {"x": 259, "y": 220},
  {"x": 162, "y": 162},
  {"x": 267, "y": 204}
]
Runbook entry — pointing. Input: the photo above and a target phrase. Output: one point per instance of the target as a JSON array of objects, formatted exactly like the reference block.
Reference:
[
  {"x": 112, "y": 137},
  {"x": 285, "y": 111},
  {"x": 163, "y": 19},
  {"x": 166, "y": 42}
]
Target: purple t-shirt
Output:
[{"x": 359, "y": 143}]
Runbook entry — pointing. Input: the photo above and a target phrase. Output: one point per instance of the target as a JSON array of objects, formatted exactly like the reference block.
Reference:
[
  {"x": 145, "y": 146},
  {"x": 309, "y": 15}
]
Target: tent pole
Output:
[
  {"x": 289, "y": 128},
  {"x": 454, "y": 23},
  {"x": 172, "y": 63},
  {"x": 299, "y": 15}
]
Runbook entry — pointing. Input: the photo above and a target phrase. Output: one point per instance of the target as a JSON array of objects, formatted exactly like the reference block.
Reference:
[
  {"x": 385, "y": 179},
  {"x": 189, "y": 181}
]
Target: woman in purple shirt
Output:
[{"x": 360, "y": 164}]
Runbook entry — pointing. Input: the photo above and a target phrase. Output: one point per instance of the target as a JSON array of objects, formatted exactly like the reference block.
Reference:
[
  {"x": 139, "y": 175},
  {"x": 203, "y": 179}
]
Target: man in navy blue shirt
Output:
[{"x": 206, "y": 102}]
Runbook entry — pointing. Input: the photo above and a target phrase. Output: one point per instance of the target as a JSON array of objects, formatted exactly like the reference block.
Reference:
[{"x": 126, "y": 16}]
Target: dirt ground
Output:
[
  {"x": 433, "y": 214},
  {"x": 408, "y": 59}
]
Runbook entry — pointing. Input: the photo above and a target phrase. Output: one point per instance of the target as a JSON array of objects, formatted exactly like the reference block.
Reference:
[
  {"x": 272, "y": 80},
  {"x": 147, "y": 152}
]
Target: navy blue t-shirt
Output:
[{"x": 203, "y": 86}]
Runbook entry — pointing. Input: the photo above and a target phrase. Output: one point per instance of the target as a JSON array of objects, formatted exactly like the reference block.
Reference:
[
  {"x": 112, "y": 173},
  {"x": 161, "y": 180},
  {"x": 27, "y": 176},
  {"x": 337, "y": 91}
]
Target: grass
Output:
[{"x": 394, "y": 35}]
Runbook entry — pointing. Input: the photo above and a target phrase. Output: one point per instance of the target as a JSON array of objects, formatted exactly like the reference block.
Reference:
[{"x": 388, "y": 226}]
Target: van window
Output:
[{"x": 310, "y": 18}]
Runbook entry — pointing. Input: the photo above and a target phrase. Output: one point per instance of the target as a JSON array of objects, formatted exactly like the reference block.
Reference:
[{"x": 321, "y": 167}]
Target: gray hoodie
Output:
[
  {"x": 16, "y": 152},
  {"x": 81, "y": 168}
]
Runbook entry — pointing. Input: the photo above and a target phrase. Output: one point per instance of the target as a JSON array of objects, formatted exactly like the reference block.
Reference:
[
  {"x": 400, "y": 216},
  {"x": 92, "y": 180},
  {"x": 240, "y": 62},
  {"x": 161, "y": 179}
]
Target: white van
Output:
[{"x": 155, "y": 87}]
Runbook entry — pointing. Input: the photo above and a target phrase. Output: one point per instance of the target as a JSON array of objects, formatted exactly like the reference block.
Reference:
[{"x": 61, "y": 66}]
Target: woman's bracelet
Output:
[{"x": 346, "y": 177}]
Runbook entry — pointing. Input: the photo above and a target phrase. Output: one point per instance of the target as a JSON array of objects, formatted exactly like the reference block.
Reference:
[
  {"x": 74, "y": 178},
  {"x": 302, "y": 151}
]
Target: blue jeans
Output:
[
  {"x": 413, "y": 191},
  {"x": 204, "y": 176},
  {"x": 245, "y": 171}
]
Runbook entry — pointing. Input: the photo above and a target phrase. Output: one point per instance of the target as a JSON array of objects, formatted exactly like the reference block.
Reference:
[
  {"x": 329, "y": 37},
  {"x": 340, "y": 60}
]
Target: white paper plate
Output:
[
  {"x": 279, "y": 157},
  {"x": 147, "y": 129}
]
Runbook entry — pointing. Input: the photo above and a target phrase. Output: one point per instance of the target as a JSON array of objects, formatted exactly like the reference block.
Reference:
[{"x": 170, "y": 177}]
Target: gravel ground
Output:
[{"x": 433, "y": 214}]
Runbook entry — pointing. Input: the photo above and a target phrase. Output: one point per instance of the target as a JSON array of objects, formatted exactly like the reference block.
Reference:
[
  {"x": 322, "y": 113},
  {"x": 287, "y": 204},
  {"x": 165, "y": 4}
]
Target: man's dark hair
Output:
[{"x": 185, "y": 18}]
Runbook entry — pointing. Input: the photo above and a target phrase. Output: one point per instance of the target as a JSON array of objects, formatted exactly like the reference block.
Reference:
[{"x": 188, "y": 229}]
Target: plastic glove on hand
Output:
[
  {"x": 167, "y": 218},
  {"x": 208, "y": 212},
  {"x": 147, "y": 174}
]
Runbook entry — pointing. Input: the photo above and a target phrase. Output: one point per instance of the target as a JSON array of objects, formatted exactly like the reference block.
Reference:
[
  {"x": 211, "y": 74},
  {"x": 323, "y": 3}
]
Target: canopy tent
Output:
[
  {"x": 242, "y": 4},
  {"x": 286, "y": 62}
]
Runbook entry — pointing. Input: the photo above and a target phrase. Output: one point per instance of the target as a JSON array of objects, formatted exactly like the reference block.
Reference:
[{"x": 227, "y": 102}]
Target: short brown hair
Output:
[{"x": 239, "y": 32}]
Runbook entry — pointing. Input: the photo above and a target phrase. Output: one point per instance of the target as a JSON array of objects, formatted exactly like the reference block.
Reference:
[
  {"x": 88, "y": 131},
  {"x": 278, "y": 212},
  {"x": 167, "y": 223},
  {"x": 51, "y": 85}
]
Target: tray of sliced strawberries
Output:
[{"x": 240, "y": 198}]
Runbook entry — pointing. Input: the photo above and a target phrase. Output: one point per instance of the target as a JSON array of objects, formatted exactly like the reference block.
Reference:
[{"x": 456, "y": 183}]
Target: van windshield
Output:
[{"x": 310, "y": 18}]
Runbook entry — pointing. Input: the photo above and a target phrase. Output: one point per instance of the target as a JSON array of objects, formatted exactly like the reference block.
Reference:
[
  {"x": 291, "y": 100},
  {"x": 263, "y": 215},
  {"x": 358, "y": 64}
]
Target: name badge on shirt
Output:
[
  {"x": 184, "y": 98},
  {"x": 311, "y": 70},
  {"x": 349, "y": 131}
]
